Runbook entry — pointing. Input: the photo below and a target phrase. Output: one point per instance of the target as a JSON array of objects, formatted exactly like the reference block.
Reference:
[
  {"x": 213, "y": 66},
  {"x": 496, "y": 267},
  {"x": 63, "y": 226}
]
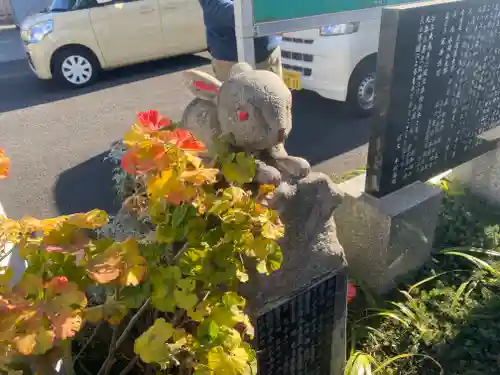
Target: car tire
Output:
[
  {"x": 75, "y": 67},
  {"x": 361, "y": 91}
]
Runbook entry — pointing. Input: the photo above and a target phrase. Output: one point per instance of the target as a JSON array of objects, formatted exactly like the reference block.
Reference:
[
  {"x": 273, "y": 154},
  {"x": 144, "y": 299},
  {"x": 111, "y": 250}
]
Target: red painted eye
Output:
[{"x": 243, "y": 116}]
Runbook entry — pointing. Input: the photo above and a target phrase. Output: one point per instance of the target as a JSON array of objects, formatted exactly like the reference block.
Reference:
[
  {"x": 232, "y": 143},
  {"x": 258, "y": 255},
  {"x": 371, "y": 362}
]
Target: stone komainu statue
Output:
[{"x": 252, "y": 109}]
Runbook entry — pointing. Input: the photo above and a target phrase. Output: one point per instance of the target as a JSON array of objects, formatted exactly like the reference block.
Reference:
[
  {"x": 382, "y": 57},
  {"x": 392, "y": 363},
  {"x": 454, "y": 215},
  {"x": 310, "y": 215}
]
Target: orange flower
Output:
[
  {"x": 4, "y": 164},
  {"x": 184, "y": 140},
  {"x": 138, "y": 161},
  {"x": 152, "y": 120}
]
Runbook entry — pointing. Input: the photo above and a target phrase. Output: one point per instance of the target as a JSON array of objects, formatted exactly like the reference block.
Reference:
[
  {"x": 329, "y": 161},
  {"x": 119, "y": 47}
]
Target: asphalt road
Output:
[{"x": 57, "y": 139}]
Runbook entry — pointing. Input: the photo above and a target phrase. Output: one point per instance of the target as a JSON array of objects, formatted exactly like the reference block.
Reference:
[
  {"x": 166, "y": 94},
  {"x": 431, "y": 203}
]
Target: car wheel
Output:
[
  {"x": 75, "y": 67},
  {"x": 361, "y": 94}
]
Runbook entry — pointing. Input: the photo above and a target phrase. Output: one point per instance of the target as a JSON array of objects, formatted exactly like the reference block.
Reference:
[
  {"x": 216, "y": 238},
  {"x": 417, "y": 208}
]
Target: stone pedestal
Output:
[
  {"x": 300, "y": 310},
  {"x": 384, "y": 238},
  {"x": 481, "y": 175}
]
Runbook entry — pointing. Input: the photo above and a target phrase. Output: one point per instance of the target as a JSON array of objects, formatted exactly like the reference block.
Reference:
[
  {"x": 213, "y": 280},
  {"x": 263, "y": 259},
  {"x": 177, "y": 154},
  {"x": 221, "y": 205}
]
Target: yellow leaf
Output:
[
  {"x": 200, "y": 176},
  {"x": 30, "y": 284},
  {"x": 227, "y": 363},
  {"x": 151, "y": 346},
  {"x": 105, "y": 269},
  {"x": 30, "y": 224},
  {"x": 241, "y": 171},
  {"x": 231, "y": 339},
  {"x": 136, "y": 135},
  {"x": 265, "y": 190},
  {"x": 272, "y": 231},
  {"x": 91, "y": 220},
  {"x": 185, "y": 300},
  {"x": 66, "y": 325},
  {"x": 259, "y": 248},
  {"x": 112, "y": 312},
  {"x": 134, "y": 275},
  {"x": 242, "y": 276},
  {"x": 199, "y": 312},
  {"x": 135, "y": 264},
  {"x": 35, "y": 343},
  {"x": 262, "y": 267},
  {"x": 158, "y": 186},
  {"x": 6, "y": 274}
]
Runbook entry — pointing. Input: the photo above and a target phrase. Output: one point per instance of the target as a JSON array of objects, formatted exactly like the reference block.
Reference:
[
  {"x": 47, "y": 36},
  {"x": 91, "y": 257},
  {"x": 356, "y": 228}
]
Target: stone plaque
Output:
[
  {"x": 305, "y": 334},
  {"x": 438, "y": 90}
]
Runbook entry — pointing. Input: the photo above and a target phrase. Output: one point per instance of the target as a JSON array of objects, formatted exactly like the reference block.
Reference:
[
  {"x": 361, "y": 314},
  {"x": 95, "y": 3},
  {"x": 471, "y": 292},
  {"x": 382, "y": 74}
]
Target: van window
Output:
[{"x": 68, "y": 5}]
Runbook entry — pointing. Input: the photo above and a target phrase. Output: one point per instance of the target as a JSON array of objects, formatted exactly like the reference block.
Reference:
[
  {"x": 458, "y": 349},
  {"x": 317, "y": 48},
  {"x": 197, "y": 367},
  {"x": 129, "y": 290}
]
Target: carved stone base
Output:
[
  {"x": 482, "y": 176},
  {"x": 387, "y": 237}
]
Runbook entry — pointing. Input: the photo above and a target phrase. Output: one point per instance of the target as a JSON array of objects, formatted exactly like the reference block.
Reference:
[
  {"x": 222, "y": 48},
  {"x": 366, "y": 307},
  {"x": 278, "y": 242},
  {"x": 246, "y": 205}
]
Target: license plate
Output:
[{"x": 292, "y": 79}]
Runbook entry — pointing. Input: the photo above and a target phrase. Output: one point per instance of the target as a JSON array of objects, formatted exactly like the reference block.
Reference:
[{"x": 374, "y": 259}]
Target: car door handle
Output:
[{"x": 145, "y": 10}]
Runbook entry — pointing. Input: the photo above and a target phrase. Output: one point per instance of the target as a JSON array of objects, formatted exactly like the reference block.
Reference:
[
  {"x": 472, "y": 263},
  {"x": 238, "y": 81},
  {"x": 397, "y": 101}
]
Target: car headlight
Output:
[
  {"x": 340, "y": 29},
  {"x": 37, "y": 32}
]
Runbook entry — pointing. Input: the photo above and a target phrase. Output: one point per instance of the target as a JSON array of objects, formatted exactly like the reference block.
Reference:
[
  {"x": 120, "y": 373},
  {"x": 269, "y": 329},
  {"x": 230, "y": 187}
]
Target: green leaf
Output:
[
  {"x": 241, "y": 170},
  {"x": 262, "y": 267},
  {"x": 478, "y": 262},
  {"x": 231, "y": 299},
  {"x": 185, "y": 300},
  {"x": 179, "y": 214},
  {"x": 134, "y": 296},
  {"x": 163, "y": 301},
  {"x": 165, "y": 233},
  {"x": 208, "y": 331},
  {"x": 274, "y": 260},
  {"x": 230, "y": 338}
]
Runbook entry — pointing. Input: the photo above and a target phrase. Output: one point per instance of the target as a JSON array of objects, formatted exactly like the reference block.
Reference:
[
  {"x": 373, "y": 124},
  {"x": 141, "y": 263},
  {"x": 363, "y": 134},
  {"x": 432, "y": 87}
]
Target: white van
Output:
[{"x": 337, "y": 61}]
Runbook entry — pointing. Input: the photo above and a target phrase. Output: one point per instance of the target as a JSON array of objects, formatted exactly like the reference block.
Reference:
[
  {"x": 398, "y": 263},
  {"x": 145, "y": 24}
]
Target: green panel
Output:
[{"x": 278, "y": 10}]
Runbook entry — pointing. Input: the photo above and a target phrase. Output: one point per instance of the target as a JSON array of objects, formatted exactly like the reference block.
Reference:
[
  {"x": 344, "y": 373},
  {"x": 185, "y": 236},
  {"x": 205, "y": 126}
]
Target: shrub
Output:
[{"x": 204, "y": 225}]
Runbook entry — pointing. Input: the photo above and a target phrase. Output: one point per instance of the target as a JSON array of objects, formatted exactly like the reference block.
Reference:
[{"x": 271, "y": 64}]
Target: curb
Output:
[{"x": 8, "y": 27}]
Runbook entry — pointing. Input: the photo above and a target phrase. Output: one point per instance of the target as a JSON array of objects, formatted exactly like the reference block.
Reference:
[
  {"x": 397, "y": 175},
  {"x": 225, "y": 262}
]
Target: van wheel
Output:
[
  {"x": 75, "y": 67},
  {"x": 361, "y": 92}
]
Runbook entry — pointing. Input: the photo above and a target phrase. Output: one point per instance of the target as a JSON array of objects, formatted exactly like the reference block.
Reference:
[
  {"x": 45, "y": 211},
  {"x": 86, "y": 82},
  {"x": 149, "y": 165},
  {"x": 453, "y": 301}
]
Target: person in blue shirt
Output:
[{"x": 218, "y": 16}]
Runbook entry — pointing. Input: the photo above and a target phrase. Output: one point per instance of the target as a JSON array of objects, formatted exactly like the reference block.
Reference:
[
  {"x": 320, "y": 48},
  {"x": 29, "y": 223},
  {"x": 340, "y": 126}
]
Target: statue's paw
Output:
[
  {"x": 303, "y": 168},
  {"x": 267, "y": 175},
  {"x": 294, "y": 167}
]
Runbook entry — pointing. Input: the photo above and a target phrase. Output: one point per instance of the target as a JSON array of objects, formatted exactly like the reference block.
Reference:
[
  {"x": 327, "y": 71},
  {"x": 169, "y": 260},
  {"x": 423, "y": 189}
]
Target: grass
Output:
[{"x": 444, "y": 319}]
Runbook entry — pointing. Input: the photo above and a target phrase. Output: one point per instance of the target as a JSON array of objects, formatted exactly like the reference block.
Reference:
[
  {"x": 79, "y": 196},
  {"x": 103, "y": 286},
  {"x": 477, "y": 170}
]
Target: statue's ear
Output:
[
  {"x": 202, "y": 85},
  {"x": 241, "y": 67}
]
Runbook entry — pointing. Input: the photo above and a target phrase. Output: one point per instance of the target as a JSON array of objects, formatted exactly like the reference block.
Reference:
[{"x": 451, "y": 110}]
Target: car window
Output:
[
  {"x": 83, "y": 4},
  {"x": 69, "y": 5}
]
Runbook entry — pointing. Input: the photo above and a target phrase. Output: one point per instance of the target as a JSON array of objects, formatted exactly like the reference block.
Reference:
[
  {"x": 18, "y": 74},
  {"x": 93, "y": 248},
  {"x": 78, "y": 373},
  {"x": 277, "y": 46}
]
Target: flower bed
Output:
[{"x": 164, "y": 301}]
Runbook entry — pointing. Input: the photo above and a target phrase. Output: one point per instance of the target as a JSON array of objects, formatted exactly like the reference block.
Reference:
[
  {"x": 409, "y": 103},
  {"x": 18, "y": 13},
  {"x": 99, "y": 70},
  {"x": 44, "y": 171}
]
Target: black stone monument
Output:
[
  {"x": 297, "y": 335},
  {"x": 438, "y": 90}
]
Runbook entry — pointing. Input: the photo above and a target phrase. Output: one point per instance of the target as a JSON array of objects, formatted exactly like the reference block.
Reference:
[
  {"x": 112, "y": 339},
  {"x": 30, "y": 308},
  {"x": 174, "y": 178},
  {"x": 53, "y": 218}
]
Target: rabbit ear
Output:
[
  {"x": 241, "y": 67},
  {"x": 202, "y": 85}
]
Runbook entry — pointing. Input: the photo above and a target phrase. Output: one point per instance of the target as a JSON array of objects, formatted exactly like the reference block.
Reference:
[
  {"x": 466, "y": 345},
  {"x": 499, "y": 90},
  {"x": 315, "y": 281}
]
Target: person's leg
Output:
[
  {"x": 222, "y": 69},
  {"x": 272, "y": 63}
]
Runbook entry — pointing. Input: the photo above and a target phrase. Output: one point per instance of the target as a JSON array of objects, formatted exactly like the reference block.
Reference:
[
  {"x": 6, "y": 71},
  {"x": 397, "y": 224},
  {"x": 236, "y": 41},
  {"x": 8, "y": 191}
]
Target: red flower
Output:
[
  {"x": 58, "y": 284},
  {"x": 152, "y": 120},
  {"x": 351, "y": 292}
]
